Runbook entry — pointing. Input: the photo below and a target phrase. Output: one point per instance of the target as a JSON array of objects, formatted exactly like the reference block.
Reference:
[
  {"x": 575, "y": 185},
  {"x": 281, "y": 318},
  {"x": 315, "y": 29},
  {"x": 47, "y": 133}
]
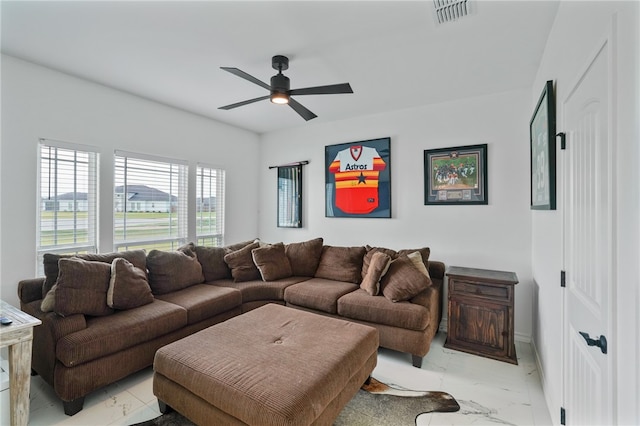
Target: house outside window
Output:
[
  {"x": 150, "y": 202},
  {"x": 209, "y": 206},
  {"x": 68, "y": 193}
]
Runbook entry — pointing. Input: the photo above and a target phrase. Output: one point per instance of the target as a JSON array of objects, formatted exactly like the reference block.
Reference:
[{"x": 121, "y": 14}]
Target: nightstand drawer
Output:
[{"x": 479, "y": 290}]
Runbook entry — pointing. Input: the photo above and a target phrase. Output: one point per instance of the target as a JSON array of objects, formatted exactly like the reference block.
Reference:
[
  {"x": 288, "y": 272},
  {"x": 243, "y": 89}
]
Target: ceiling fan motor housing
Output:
[{"x": 280, "y": 83}]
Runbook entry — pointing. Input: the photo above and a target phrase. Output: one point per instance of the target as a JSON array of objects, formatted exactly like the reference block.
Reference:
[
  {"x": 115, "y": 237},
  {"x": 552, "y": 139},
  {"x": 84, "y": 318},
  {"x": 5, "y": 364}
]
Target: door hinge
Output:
[
  {"x": 563, "y": 279},
  {"x": 563, "y": 140},
  {"x": 563, "y": 418}
]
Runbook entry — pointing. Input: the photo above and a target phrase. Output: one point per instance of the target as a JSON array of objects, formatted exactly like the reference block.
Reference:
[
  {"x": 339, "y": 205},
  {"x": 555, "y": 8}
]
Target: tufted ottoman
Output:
[{"x": 270, "y": 366}]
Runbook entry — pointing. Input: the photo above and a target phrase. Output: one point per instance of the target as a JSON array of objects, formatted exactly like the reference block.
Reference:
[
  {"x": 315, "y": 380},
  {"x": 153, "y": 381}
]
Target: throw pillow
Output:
[
  {"x": 82, "y": 287},
  {"x": 304, "y": 257},
  {"x": 173, "y": 270},
  {"x": 370, "y": 252},
  {"x": 128, "y": 287},
  {"x": 341, "y": 264},
  {"x": 272, "y": 262},
  {"x": 241, "y": 264},
  {"x": 403, "y": 280},
  {"x": 48, "y": 304},
  {"x": 377, "y": 268},
  {"x": 416, "y": 259},
  {"x": 50, "y": 263},
  {"x": 424, "y": 252}
]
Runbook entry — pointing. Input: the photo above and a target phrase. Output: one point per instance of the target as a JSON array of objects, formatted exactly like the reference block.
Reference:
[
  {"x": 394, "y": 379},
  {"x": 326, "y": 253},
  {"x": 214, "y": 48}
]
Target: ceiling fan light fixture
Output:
[{"x": 279, "y": 98}]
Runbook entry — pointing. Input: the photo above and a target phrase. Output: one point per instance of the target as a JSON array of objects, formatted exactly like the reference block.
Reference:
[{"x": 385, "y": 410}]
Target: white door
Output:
[{"x": 588, "y": 242}]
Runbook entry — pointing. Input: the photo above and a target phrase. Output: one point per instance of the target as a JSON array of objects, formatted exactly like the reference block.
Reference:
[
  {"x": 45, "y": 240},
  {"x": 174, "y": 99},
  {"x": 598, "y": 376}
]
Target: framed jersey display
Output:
[
  {"x": 358, "y": 179},
  {"x": 456, "y": 175}
]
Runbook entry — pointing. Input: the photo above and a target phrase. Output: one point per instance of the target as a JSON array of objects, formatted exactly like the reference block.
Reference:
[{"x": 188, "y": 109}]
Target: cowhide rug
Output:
[{"x": 375, "y": 404}]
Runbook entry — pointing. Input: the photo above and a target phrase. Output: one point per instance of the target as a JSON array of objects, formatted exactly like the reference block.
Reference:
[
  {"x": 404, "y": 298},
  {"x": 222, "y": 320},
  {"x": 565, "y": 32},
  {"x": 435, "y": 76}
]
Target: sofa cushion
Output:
[
  {"x": 272, "y": 262},
  {"x": 257, "y": 290},
  {"x": 358, "y": 305},
  {"x": 173, "y": 270},
  {"x": 417, "y": 261},
  {"x": 378, "y": 267},
  {"x": 50, "y": 263},
  {"x": 370, "y": 251},
  {"x": 128, "y": 286},
  {"x": 107, "y": 335},
  {"x": 241, "y": 263},
  {"x": 82, "y": 288},
  {"x": 318, "y": 293},
  {"x": 341, "y": 264},
  {"x": 424, "y": 252},
  {"x": 212, "y": 261},
  {"x": 48, "y": 304},
  {"x": 304, "y": 257},
  {"x": 403, "y": 280},
  {"x": 203, "y": 301}
]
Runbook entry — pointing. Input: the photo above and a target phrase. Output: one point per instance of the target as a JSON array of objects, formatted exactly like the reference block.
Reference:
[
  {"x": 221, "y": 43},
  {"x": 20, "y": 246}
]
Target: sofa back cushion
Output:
[
  {"x": 369, "y": 254},
  {"x": 173, "y": 270},
  {"x": 304, "y": 257},
  {"x": 50, "y": 262},
  {"x": 272, "y": 262},
  {"x": 213, "y": 264},
  {"x": 82, "y": 287},
  {"x": 128, "y": 286},
  {"x": 341, "y": 264}
]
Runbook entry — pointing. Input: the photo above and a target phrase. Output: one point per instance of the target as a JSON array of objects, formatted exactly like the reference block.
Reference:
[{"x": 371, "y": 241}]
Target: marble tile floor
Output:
[{"x": 489, "y": 392}]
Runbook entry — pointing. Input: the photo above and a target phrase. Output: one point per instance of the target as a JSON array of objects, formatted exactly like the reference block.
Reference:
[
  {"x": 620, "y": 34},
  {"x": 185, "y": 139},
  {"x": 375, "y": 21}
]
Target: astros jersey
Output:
[{"x": 356, "y": 172}]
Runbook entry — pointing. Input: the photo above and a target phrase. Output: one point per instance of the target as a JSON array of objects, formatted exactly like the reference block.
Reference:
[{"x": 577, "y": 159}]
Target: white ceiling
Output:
[{"x": 392, "y": 53}]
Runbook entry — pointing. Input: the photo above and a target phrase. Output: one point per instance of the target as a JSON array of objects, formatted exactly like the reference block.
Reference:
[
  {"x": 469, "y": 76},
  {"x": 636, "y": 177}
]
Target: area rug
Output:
[{"x": 375, "y": 404}]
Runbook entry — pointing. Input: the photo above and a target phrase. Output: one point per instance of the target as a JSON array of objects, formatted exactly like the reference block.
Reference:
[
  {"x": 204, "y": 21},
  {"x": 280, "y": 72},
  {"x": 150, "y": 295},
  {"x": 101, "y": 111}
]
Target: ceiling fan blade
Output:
[
  {"x": 304, "y": 112},
  {"x": 242, "y": 74},
  {"x": 323, "y": 90},
  {"x": 250, "y": 101}
]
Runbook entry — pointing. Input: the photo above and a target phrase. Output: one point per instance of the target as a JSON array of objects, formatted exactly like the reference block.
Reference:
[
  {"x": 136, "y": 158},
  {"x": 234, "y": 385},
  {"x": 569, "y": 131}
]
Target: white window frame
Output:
[
  {"x": 55, "y": 187},
  {"x": 210, "y": 182},
  {"x": 178, "y": 168}
]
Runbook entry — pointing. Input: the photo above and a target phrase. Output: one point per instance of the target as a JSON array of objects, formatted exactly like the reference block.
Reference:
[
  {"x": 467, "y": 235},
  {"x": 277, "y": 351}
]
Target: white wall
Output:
[
  {"x": 495, "y": 236},
  {"x": 40, "y": 103},
  {"x": 578, "y": 29}
]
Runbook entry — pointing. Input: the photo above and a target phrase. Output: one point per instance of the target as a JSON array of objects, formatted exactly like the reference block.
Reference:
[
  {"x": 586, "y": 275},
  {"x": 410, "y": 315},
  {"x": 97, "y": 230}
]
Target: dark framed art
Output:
[
  {"x": 454, "y": 176},
  {"x": 290, "y": 196},
  {"x": 358, "y": 179},
  {"x": 542, "y": 131}
]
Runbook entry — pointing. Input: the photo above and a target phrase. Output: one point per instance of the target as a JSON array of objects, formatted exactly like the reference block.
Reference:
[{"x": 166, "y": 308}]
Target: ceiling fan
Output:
[{"x": 279, "y": 88}]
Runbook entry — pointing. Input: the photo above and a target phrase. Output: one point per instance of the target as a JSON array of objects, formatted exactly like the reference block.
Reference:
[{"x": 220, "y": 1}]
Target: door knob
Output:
[{"x": 600, "y": 342}]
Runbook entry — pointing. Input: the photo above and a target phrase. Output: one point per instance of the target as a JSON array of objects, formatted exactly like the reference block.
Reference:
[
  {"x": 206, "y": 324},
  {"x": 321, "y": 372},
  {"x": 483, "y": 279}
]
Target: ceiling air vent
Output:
[{"x": 451, "y": 10}]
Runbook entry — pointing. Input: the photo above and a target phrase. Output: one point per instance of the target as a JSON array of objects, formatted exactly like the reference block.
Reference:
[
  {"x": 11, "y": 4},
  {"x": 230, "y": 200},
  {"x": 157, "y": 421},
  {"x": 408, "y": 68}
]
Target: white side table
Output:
[{"x": 18, "y": 336}]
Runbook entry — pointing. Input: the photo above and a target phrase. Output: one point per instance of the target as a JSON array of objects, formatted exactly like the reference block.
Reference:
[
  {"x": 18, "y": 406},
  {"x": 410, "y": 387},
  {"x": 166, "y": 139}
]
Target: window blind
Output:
[
  {"x": 150, "y": 202},
  {"x": 210, "y": 183},
  {"x": 67, "y": 197}
]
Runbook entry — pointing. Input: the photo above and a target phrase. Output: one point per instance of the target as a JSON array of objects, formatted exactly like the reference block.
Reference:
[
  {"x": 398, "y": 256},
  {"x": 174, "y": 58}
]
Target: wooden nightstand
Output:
[{"x": 480, "y": 316}]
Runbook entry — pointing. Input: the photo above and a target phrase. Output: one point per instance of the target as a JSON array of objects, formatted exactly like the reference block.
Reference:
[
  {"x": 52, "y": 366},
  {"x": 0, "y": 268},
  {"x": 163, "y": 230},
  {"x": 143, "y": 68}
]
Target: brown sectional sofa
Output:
[{"x": 196, "y": 287}]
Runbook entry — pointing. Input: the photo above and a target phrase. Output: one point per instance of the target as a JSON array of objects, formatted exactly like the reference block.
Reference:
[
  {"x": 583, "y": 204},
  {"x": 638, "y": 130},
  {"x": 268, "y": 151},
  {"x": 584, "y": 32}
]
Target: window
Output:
[
  {"x": 150, "y": 202},
  {"x": 67, "y": 190},
  {"x": 209, "y": 206},
  {"x": 290, "y": 196}
]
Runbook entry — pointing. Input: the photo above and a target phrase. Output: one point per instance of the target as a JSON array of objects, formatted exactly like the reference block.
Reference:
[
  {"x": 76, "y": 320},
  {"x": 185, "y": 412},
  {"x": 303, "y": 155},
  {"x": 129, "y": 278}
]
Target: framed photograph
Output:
[
  {"x": 542, "y": 131},
  {"x": 454, "y": 176},
  {"x": 358, "y": 179}
]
